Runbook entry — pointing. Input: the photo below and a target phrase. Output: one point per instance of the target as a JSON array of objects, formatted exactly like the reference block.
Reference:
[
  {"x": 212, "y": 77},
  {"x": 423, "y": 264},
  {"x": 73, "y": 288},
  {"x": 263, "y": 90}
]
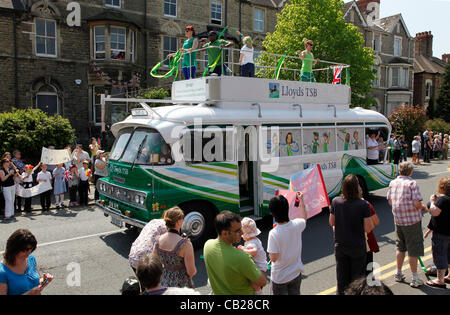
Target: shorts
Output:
[
  {"x": 410, "y": 239},
  {"x": 441, "y": 250}
]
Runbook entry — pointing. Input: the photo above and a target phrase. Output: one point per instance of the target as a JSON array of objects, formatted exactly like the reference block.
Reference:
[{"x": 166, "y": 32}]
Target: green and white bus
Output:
[{"x": 227, "y": 143}]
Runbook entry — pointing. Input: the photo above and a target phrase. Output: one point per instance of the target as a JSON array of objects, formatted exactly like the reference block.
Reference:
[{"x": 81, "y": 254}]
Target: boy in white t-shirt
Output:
[
  {"x": 45, "y": 176},
  {"x": 253, "y": 246},
  {"x": 285, "y": 247}
]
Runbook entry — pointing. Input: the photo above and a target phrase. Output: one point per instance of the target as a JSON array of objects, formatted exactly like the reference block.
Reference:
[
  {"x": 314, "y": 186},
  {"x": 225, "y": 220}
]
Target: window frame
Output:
[
  {"x": 95, "y": 42},
  {"x": 255, "y": 21},
  {"x": 214, "y": 20},
  {"x": 45, "y": 38},
  {"x": 111, "y": 27},
  {"x": 400, "y": 40},
  {"x": 164, "y": 65},
  {"x": 170, "y": 4},
  {"x": 428, "y": 88},
  {"x": 112, "y": 5},
  {"x": 375, "y": 37},
  {"x": 133, "y": 45}
]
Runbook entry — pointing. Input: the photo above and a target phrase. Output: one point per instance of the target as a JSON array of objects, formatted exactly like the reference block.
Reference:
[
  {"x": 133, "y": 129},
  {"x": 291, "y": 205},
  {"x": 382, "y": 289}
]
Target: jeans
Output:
[
  {"x": 248, "y": 70},
  {"x": 289, "y": 288},
  {"x": 189, "y": 74},
  {"x": 350, "y": 265}
]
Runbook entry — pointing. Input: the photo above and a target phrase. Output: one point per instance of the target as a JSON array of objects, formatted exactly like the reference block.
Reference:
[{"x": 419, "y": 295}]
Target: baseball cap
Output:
[{"x": 212, "y": 33}]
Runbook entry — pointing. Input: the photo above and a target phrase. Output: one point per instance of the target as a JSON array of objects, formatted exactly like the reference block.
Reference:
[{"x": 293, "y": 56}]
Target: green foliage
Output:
[
  {"x": 31, "y": 129},
  {"x": 152, "y": 93},
  {"x": 334, "y": 40},
  {"x": 408, "y": 121},
  {"x": 443, "y": 102},
  {"x": 438, "y": 125}
]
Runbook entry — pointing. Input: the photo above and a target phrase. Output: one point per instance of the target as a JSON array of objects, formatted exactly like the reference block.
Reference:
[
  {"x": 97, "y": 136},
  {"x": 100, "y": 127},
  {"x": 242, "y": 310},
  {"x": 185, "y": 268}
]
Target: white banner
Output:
[
  {"x": 53, "y": 157},
  {"x": 33, "y": 191}
]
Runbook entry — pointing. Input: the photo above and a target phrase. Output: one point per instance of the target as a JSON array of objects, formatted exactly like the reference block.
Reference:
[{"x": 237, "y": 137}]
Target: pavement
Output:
[{"x": 36, "y": 203}]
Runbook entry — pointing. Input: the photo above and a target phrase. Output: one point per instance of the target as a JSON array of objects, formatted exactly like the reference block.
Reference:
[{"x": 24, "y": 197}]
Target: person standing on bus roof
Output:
[
  {"x": 308, "y": 62},
  {"x": 189, "y": 63},
  {"x": 246, "y": 58},
  {"x": 215, "y": 46}
]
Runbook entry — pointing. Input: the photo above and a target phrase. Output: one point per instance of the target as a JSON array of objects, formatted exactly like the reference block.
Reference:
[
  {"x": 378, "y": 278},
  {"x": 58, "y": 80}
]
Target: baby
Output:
[{"x": 253, "y": 246}]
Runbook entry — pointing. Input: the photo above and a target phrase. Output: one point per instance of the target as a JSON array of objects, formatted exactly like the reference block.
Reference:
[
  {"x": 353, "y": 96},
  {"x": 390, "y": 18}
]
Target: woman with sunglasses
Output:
[
  {"x": 189, "y": 63},
  {"x": 308, "y": 62},
  {"x": 18, "y": 270},
  {"x": 7, "y": 175}
]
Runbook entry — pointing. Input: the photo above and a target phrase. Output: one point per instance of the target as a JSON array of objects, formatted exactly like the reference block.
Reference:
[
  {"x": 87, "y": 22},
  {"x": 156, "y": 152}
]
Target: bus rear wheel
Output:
[{"x": 198, "y": 222}]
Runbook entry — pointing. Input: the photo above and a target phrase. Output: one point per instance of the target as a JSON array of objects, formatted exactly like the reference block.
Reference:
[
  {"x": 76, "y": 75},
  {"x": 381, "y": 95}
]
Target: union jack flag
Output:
[
  {"x": 67, "y": 175},
  {"x": 337, "y": 74}
]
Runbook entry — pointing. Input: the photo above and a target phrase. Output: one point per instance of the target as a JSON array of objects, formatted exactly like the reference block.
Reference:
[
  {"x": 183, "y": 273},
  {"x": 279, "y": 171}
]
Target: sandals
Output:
[{"x": 436, "y": 285}]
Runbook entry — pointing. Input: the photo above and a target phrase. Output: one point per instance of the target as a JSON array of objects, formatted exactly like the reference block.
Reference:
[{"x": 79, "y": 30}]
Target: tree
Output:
[
  {"x": 334, "y": 40},
  {"x": 438, "y": 125},
  {"x": 151, "y": 93},
  {"x": 443, "y": 102},
  {"x": 408, "y": 121},
  {"x": 31, "y": 129}
]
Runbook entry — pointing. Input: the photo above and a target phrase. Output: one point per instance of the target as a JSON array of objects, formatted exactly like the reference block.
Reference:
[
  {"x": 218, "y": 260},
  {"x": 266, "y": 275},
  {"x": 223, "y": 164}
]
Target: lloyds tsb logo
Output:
[{"x": 274, "y": 90}]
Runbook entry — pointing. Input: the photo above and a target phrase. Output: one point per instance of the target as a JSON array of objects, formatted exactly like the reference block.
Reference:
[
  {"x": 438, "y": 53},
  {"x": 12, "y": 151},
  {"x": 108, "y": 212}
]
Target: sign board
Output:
[{"x": 53, "y": 157}]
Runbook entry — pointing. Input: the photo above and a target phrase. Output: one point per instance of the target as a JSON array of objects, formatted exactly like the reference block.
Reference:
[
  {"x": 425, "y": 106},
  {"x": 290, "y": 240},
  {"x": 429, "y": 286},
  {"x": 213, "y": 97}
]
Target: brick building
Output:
[
  {"x": 61, "y": 69},
  {"x": 428, "y": 71},
  {"x": 394, "y": 53}
]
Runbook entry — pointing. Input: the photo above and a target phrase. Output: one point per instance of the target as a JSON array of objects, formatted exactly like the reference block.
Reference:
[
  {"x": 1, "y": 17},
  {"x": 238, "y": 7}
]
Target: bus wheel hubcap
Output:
[{"x": 194, "y": 223}]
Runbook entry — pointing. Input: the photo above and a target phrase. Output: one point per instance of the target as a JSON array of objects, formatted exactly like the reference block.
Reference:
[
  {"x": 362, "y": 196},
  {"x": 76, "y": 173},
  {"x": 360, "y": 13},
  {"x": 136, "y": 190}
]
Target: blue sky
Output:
[{"x": 423, "y": 16}]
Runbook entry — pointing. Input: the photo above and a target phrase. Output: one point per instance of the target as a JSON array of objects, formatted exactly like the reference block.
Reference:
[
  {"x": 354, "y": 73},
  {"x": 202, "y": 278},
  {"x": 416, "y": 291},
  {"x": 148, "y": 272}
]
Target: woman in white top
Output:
[
  {"x": 246, "y": 58},
  {"x": 415, "y": 150},
  {"x": 372, "y": 149}
]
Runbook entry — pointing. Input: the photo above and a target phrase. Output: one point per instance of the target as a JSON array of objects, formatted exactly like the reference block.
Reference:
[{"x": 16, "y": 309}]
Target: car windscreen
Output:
[{"x": 147, "y": 147}]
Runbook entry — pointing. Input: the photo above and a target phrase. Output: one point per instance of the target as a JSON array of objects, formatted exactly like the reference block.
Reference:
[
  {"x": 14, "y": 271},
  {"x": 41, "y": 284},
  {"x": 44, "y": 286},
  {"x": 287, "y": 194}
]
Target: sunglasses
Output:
[{"x": 28, "y": 249}]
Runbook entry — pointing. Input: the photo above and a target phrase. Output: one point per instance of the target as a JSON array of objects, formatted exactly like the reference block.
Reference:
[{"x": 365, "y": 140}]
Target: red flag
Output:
[{"x": 310, "y": 182}]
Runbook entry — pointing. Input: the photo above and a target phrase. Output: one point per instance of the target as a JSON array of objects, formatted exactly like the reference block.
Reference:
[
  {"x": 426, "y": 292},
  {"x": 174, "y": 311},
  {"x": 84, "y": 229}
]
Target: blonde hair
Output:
[
  {"x": 308, "y": 41},
  {"x": 444, "y": 186},
  {"x": 172, "y": 216}
]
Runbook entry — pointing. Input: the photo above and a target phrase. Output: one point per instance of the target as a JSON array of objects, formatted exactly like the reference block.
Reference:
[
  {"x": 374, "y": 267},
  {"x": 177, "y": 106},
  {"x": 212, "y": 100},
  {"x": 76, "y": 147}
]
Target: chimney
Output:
[
  {"x": 424, "y": 44},
  {"x": 446, "y": 57},
  {"x": 362, "y": 5}
]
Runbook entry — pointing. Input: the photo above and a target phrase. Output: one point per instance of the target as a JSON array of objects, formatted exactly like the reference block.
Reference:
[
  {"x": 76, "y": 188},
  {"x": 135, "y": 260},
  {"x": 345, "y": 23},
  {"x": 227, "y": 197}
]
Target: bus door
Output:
[{"x": 248, "y": 170}]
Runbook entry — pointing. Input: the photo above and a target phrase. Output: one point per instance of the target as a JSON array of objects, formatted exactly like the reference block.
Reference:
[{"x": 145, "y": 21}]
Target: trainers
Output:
[
  {"x": 399, "y": 277},
  {"x": 415, "y": 283}
]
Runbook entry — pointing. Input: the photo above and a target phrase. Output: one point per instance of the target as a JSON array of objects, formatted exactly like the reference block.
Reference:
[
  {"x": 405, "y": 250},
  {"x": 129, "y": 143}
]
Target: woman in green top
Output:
[
  {"x": 189, "y": 63},
  {"x": 307, "y": 57}
]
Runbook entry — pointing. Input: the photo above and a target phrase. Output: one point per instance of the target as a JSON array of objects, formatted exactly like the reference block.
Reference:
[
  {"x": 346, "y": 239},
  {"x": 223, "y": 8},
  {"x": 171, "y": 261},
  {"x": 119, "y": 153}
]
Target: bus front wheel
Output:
[{"x": 198, "y": 222}]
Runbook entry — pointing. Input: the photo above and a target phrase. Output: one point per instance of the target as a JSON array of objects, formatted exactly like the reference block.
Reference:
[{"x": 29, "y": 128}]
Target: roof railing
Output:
[{"x": 229, "y": 57}]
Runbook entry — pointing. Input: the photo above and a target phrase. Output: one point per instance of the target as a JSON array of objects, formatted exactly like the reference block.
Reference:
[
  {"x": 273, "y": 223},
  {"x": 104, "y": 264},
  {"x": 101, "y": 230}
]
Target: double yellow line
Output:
[{"x": 386, "y": 267}]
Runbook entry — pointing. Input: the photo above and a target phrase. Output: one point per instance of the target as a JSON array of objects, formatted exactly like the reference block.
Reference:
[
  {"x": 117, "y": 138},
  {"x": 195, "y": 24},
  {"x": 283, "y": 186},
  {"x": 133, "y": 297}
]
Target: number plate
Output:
[{"x": 116, "y": 221}]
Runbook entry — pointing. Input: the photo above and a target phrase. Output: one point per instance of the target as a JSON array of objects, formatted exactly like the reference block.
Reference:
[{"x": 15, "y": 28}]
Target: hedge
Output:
[{"x": 31, "y": 129}]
